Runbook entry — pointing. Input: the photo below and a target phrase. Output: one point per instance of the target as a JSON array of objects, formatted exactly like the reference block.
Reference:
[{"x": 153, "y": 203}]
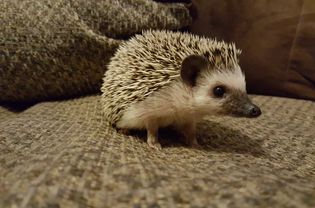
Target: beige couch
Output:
[{"x": 64, "y": 154}]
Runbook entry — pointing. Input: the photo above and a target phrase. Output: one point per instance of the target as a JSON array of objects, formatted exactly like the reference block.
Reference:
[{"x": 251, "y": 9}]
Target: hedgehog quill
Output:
[{"x": 163, "y": 78}]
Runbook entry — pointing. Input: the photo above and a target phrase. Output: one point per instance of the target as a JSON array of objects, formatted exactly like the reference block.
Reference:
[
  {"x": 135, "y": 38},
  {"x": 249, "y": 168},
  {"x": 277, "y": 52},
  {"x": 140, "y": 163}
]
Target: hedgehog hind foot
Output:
[
  {"x": 193, "y": 142},
  {"x": 189, "y": 133},
  {"x": 196, "y": 145}
]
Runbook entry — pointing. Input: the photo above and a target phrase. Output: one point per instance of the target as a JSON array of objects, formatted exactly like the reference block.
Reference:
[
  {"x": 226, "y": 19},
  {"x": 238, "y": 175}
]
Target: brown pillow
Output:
[
  {"x": 58, "y": 49},
  {"x": 277, "y": 38}
]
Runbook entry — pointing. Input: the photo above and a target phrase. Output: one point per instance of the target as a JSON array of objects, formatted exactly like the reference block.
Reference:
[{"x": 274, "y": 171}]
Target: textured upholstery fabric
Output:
[
  {"x": 59, "y": 48},
  {"x": 276, "y": 37},
  {"x": 64, "y": 154}
]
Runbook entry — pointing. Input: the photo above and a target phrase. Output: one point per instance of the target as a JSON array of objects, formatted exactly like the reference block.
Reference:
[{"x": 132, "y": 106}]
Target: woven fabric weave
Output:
[
  {"x": 64, "y": 154},
  {"x": 58, "y": 48}
]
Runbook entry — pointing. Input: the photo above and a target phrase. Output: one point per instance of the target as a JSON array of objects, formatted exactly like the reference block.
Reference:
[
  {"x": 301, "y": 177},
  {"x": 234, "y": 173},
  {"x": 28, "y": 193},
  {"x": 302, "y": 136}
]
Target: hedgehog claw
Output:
[
  {"x": 196, "y": 146},
  {"x": 155, "y": 145}
]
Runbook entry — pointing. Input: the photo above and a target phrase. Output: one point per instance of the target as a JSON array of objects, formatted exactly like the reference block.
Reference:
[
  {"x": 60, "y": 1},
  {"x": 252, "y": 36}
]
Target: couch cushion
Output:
[
  {"x": 55, "y": 49},
  {"x": 276, "y": 37},
  {"x": 64, "y": 154}
]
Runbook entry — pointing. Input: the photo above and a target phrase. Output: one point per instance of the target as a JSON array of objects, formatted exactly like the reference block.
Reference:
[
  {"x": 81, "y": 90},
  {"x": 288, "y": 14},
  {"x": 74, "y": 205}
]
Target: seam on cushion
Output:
[{"x": 293, "y": 45}]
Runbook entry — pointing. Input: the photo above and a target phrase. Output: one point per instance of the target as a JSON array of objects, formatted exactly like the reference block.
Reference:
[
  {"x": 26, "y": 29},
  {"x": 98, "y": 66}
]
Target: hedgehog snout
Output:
[
  {"x": 253, "y": 111},
  {"x": 240, "y": 105},
  {"x": 248, "y": 110}
]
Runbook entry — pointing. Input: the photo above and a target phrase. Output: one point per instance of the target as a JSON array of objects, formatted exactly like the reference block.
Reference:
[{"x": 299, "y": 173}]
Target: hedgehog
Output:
[{"x": 164, "y": 78}]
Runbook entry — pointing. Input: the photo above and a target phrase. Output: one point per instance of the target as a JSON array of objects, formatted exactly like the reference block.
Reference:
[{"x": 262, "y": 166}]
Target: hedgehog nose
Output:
[{"x": 254, "y": 111}]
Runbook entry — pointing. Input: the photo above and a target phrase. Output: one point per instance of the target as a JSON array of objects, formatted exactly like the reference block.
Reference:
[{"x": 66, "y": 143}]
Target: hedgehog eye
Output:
[{"x": 219, "y": 91}]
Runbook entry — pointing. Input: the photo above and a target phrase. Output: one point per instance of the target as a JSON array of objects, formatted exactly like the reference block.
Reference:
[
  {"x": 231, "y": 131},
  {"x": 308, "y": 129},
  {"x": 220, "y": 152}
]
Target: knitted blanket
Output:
[{"x": 59, "y": 48}]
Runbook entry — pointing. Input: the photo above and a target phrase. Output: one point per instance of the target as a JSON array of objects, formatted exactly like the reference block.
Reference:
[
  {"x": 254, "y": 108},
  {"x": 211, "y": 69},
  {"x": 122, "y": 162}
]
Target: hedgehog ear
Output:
[{"x": 191, "y": 67}]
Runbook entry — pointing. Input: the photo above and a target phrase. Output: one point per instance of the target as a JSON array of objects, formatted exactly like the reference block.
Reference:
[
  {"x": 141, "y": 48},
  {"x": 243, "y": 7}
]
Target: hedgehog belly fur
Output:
[
  {"x": 146, "y": 65},
  {"x": 172, "y": 105}
]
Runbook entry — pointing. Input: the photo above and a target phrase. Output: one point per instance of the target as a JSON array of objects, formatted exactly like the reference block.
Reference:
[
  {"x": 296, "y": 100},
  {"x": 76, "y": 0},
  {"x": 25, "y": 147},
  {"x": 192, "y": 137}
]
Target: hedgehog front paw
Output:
[{"x": 155, "y": 145}]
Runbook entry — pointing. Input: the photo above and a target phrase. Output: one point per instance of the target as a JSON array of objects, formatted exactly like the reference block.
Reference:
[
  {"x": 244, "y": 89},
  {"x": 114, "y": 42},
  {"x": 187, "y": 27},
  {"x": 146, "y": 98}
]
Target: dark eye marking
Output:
[{"x": 219, "y": 91}]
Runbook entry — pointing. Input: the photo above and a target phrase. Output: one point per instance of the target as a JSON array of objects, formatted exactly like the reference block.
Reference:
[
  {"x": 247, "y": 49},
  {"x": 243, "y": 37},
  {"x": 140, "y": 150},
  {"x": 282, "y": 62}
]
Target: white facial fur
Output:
[{"x": 233, "y": 79}]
